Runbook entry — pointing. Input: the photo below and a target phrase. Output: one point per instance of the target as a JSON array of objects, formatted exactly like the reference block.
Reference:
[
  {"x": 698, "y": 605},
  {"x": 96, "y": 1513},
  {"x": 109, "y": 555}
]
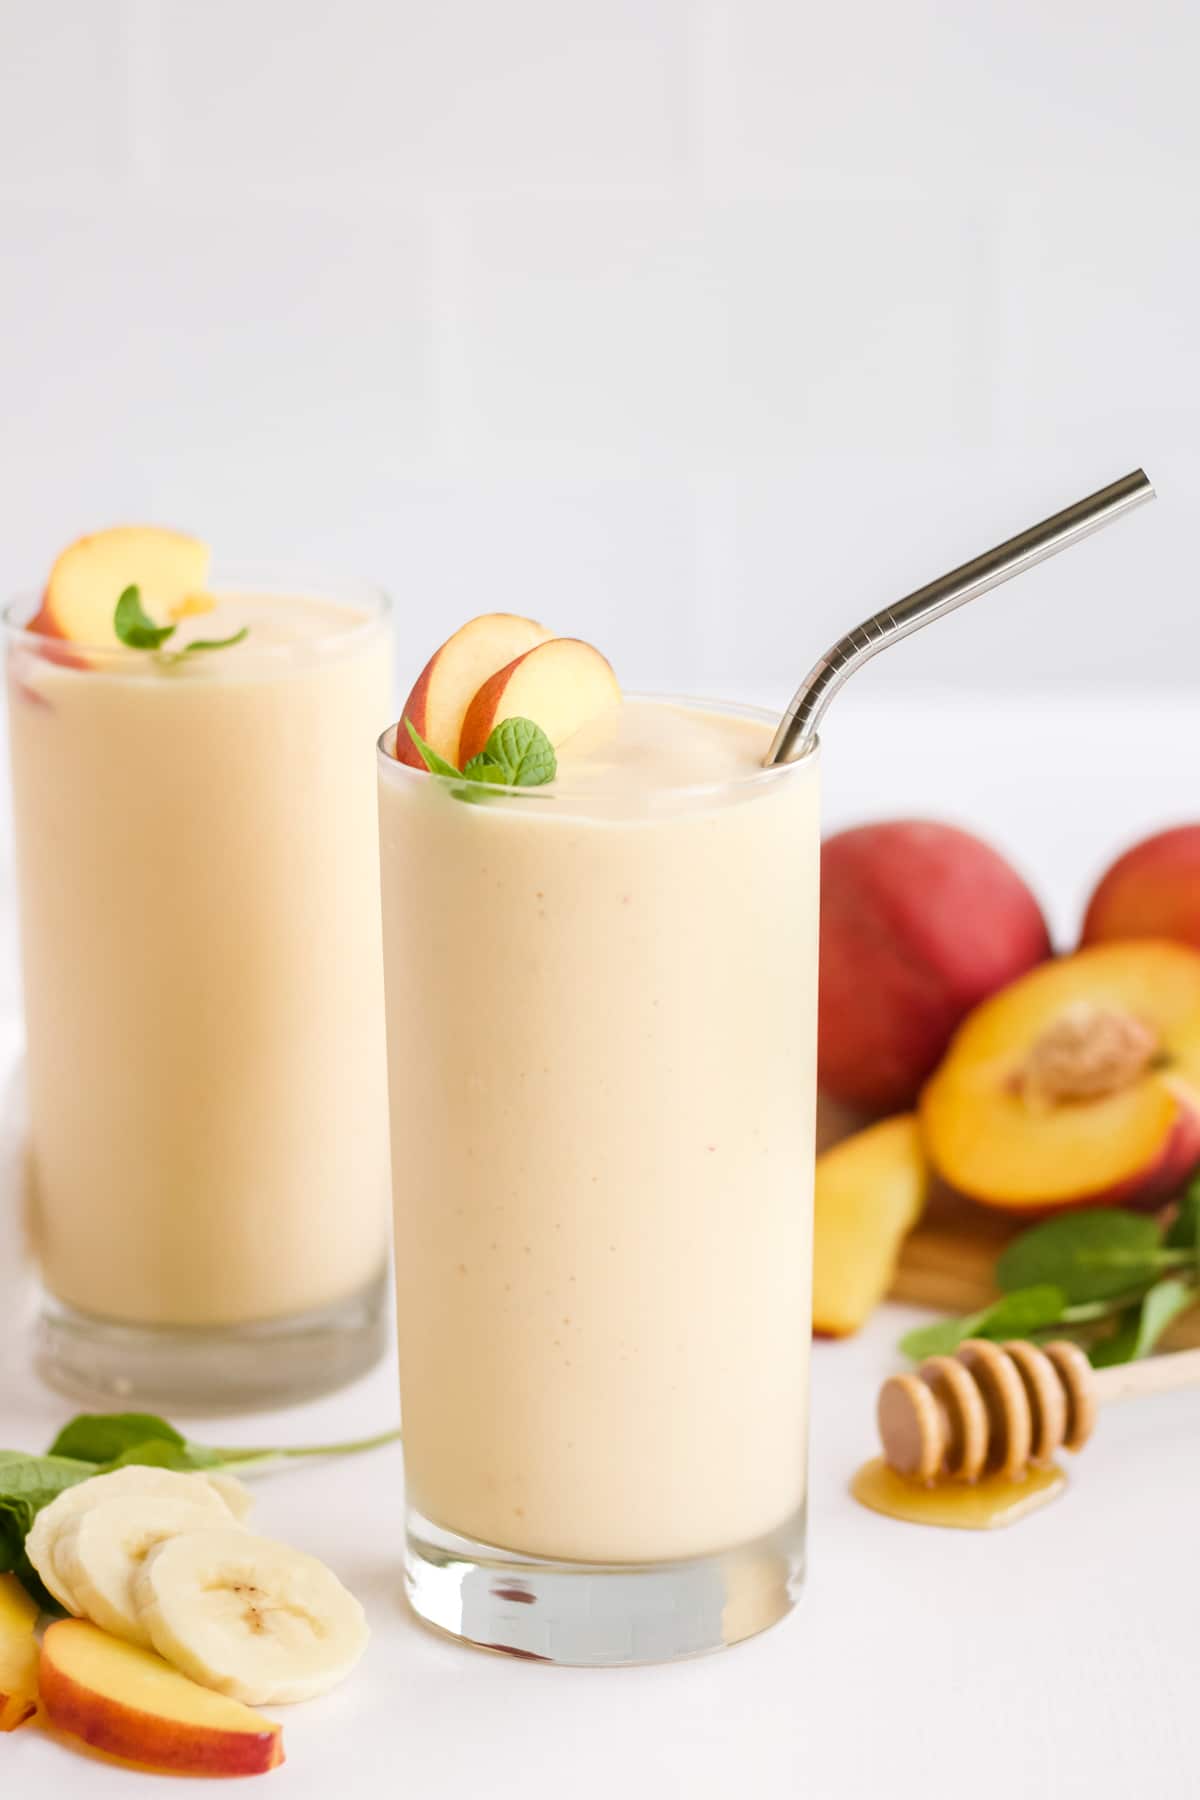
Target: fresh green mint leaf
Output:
[
  {"x": 157, "y": 1453},
  {"x": 481, "y": 768},
  {"x": 239, "y": 637},
  {"x": 103, "y": 1437},
  {"x": 134, "y": 627},
  {"x": 1144, "y": 1324},
  {"x": 522, "y": 751},
  {"x": 437, "y": 765},
  {"x": 27, "y": 1483},
  {"x": 1013, "y": 1315},
  {"x": 1184, "y": 1233},
  {"x": 1095, "y": 1254}
]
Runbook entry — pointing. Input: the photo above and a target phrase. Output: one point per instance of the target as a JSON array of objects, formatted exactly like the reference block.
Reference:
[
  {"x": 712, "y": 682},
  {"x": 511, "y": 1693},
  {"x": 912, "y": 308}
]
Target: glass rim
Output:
[
  {"x": 579, "y": 799},
  {"x": 285, "y": 580}
]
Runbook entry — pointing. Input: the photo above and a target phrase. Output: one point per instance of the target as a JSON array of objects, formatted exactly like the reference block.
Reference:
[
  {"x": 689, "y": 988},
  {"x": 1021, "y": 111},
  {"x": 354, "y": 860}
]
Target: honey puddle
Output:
[{"x": 970, "y": 1506}]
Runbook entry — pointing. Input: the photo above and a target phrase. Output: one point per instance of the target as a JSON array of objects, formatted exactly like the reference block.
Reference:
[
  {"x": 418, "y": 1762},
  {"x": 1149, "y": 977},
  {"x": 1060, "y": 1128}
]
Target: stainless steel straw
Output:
[{"x": 798, "y": 728}]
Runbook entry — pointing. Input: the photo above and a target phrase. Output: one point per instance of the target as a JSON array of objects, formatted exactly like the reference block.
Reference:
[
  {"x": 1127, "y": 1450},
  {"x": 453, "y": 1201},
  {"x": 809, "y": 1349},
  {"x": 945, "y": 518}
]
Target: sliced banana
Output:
[
  {"x": 233, "y": 1492},
  {"x": 253, "y": 1619},
  {"x": 101, "y": 1549},
  {"x": 163, "y": 1484}
]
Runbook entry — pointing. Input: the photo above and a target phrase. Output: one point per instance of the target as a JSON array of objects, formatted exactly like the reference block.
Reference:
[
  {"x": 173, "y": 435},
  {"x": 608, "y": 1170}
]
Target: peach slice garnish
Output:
[
  {"x": 18, "y": 1654},
  {"x": 125, "y": 1700},
  {"x": 90, "y": 576},
  {"x": 870, "y": 1191},
  {"x": 562, "y": 685},
  {"x": 453, "y": 676},
  {"x": 1077, "y": 1085}
]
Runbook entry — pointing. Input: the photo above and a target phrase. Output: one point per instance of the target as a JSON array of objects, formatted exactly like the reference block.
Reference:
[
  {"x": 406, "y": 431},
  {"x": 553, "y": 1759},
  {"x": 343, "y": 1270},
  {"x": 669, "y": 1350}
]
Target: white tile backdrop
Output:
[{"x": 695, "y": 326}]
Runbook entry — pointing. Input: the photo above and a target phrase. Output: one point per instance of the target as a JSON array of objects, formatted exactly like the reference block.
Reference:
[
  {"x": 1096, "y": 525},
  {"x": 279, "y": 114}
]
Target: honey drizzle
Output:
[{"x": 983, "y": 1505}]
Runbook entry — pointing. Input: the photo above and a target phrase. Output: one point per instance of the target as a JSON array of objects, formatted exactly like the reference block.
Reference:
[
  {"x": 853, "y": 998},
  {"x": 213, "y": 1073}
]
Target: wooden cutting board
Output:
[{"x": 947, "y": 1263}]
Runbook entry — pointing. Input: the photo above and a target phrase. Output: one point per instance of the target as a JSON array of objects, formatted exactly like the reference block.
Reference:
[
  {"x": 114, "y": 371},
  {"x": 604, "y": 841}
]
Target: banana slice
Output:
[
  {"x": 162, "y": 1484},
  {"x": 100, "y": 1550},
  {"x": 254, "y": 1619},
  {"x": 233, "y": 1492}
]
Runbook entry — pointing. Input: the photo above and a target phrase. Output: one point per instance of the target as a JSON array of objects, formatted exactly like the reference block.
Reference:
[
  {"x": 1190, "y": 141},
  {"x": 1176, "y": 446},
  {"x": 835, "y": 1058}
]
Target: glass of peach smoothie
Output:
[
  {"x": 197, "y": 861},
  {"x": 601, "y": 997}
]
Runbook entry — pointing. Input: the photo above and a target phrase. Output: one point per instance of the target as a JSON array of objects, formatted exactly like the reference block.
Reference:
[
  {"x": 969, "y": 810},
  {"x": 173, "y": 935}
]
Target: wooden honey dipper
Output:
[{"x": 997, "y": 1409}]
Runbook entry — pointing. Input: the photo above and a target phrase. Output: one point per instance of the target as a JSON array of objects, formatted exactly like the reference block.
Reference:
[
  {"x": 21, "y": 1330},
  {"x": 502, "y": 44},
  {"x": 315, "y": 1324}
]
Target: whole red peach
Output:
[
  {"x": 919, "y": 922},
  {"x": 1153, "y": 891}
]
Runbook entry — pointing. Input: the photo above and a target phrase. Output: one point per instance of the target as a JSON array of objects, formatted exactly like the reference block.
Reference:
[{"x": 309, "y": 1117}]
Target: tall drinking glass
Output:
[
  {"x": 602, "y": 1044},
  {"x": 197, "y": 857}
]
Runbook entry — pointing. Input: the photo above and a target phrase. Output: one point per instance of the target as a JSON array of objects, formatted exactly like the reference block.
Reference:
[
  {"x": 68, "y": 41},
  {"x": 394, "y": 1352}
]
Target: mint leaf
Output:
[
  {"x": 209, "y": 644},
  {"x": 517, "y": 754},
  {"x": 134, "y": 627},
  {"x": 437, "y": 765},
  {"x": 1014, "y": 1315},
  {"x": 1184, "y": 1233},
  {"x": 1145, "y": 1323},
  {"x": 27, "y": 1483},
  {"x": 1095, "y": 1254},
  {"x": 104, "y": 1437},
  {"x": 522, "y": 751}
]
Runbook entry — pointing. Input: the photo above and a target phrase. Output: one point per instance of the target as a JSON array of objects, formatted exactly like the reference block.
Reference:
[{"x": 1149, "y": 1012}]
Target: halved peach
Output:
[
  {"x": 125, "y": 1700},
  {"x": 90, "y": 576},
  {"x": 562, "y": 685},
  {"x": 454, "y": 675},
  {"x": 1077, "y": 1085},
  {"x": 870, "y": 1191},
  {"x": 18, "y": 1654}
]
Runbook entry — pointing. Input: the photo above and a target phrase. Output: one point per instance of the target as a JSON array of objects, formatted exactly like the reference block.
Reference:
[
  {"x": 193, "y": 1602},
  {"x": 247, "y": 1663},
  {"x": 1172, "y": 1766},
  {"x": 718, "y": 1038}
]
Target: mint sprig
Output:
[
  {"x": 137, "y": 630},
  {"x": 134, "y": 626},
  {"x": 1114, "y": 1280},
  {"x": 93, "y": 1444},
  {"x": 517, "y": 754}
]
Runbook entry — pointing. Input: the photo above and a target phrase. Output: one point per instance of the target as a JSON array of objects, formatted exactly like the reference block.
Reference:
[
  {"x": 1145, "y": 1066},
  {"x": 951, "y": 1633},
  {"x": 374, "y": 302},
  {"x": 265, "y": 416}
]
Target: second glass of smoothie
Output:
[
  {"x": 601, "y": 1023},
  {"x": 197, "y": 859}
]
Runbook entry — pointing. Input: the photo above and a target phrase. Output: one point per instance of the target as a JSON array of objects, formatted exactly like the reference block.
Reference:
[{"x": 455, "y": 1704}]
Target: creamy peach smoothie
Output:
[
  {"x": 198, "y": 865},
  {"x": 601, "y": 1019}
]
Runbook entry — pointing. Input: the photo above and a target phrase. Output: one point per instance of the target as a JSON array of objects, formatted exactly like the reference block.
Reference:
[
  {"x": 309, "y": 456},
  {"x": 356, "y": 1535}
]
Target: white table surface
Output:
[{"x": 1055, "y": 1659}]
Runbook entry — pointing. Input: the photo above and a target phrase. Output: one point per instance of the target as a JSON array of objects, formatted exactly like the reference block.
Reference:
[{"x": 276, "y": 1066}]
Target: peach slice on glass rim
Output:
[
  {"x": 1078, "y": 1085},
  {"x": 91, "y": 574},
  {"x": 453, "y": 676},
  {"x": 128, "y": 1702},
  {"x": 562, "y": 685}
]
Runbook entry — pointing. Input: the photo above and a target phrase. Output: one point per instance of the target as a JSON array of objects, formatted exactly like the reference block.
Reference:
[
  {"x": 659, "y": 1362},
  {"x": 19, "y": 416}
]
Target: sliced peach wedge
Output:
[
  {"x": 563, "y": 685},
  {"x": 128, "y": 1702},
  {"x": 1077, "y": 1085},
  {"x": 169, "y": 570},
  {"x": 18, "y": 1654},
  {"x": 453, "y": 676},
  {"x": 870, "y": 1192}
]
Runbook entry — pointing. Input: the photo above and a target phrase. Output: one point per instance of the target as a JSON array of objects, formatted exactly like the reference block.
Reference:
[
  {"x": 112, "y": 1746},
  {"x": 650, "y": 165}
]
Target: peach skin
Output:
[
  {"x": 1151, "y": 891},
  {"x": 128, "y": 1702},
  {"x": 919, "y": 922}
]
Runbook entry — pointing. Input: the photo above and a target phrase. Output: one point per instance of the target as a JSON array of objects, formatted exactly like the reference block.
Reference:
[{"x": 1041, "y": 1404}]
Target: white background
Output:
[
  {"x": 696, "y": 327},
  {"x": 699, "y": 328}
]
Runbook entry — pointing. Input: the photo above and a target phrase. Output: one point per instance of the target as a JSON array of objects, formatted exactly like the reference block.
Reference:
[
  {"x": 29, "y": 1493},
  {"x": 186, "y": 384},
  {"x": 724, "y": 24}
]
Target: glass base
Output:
[
  {"x": 222, "y": 1368},
  {"x": 598, "y": 1615}
]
